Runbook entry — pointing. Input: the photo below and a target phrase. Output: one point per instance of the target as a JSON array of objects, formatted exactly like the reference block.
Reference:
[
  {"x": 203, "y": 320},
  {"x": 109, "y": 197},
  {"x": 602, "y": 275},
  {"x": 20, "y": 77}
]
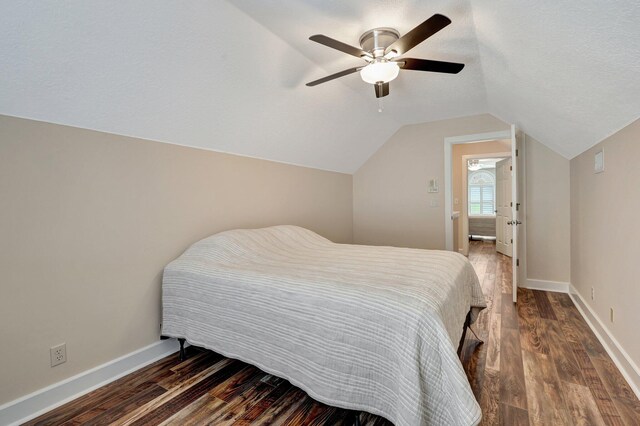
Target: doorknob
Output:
[{"x": 514, "y": 222}]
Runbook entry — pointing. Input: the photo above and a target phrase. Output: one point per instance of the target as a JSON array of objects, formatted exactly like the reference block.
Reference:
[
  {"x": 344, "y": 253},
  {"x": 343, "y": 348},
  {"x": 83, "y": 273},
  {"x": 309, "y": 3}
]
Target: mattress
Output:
[{"x": 357, "y": 327}]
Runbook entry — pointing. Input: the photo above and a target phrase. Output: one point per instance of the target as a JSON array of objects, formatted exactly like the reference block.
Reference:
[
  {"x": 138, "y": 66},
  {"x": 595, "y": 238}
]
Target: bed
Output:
[{"x": 358, "y": 327}]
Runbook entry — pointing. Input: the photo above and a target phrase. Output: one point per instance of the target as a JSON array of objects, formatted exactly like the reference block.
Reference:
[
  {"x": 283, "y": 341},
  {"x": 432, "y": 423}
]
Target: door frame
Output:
[
  {"x": 519, "y": 154},
  {"x": 448, "y": 178},
  {"x": 464, "y": 208},
  {"x": 448, "y": 190}
]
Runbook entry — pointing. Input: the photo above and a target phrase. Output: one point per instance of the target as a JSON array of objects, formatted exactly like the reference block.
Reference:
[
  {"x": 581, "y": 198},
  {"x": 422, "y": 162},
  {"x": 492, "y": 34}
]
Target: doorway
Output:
[
  {"x": 517, "y": 204},
  {"x": 481, "y": 192}
]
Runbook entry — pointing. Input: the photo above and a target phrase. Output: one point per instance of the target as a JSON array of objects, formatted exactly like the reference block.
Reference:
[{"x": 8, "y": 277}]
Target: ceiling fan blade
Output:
[
  {"x": 334, "y": 76},
  {"x": 418, "y": 34},
  {"x": 382, "y": 89},
  {"x": 338, "y": 45},
  {"x": 429, "y": 65}
]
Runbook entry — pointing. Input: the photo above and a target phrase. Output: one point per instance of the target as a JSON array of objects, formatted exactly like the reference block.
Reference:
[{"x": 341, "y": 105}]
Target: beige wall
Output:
[
  {"x": 457, "y": 152},
  {"x": 548, "y": 214},
  {"x": 88, "y": 221},
  {"x": 605, "y": 234},
  {"x": 391, "y": 205}
]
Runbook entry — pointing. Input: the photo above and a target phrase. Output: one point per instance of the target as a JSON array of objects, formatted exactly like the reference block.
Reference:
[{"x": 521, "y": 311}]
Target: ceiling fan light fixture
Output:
[
  {"x": 383, "y": 49},
  {"x": 474, "y": 165},
  {"x": 380, "y": 71}
]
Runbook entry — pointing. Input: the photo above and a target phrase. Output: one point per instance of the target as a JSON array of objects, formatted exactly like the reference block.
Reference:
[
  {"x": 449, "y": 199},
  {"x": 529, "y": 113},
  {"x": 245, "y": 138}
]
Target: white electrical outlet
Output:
[
  {"x": 58, "y": 354},
  {"x": 593, "y": 295}
]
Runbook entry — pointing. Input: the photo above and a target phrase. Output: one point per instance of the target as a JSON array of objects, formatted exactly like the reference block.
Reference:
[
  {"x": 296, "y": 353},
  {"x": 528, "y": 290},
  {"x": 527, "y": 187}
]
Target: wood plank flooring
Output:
[
  {"x": 543, "y": 364},
  {"x": 540, "y": 364}
]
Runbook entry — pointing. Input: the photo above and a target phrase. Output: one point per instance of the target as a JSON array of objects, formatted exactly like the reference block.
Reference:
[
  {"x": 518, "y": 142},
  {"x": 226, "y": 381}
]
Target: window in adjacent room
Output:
[{"x": 482, "y": 192}]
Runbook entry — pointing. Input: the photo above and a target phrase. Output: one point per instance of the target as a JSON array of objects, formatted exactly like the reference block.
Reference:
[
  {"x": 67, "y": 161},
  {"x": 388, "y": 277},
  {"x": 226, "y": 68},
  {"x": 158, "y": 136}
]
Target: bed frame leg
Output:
[
  {"x": 182, "y": 353},
  {"x": 467, "y": 323},
  {"x": 356, "y": 418},
  {"x": 474, "y": 333},
  {"x": 467, "y": 326}
]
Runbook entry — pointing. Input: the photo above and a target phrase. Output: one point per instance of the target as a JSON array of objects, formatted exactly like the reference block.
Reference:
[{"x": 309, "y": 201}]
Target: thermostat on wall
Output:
[{"x": 599, "y": 162}]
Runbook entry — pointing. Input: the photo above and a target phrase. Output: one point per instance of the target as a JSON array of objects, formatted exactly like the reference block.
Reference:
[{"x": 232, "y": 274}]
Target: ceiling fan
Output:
[{"x": 382, "y": 48}]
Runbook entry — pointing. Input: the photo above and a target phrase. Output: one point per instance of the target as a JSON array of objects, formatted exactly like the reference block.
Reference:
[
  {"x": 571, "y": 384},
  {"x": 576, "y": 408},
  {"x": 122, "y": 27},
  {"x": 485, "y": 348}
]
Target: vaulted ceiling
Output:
[{"x": 230, "y": 76}]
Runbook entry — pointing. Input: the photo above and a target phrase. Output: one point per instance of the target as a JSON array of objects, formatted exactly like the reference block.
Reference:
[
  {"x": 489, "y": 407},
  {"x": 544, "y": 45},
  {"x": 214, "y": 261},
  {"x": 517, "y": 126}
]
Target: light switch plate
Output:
[
  {"x": 433, "y": 186},
  {"x": 599, "y": 162}
]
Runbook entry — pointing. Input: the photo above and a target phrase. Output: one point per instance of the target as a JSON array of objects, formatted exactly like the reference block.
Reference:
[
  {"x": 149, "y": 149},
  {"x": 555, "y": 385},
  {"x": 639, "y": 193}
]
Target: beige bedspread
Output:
[{"x": 358, "y": 327}]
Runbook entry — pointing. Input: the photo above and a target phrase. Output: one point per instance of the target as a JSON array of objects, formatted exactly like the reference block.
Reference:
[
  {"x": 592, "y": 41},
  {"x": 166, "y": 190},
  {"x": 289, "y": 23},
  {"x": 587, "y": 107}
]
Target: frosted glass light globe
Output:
[{"x": 380, "y": 71}]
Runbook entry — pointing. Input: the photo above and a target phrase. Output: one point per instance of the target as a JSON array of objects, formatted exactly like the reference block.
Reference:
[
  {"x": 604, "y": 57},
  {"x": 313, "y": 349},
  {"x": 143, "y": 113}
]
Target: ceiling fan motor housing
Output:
[{"x": 375, "y": 41}]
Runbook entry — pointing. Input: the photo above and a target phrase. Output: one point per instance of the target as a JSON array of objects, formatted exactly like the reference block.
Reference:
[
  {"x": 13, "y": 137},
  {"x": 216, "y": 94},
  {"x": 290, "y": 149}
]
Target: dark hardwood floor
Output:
[{"x": 540, "y": 365}]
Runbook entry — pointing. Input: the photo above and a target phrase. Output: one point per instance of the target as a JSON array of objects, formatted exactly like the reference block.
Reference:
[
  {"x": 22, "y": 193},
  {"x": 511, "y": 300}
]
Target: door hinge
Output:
[
  {"x": 511, "y": 168},
  {"x": 517, "y": 262},
  {"x": 517, "y": 207},
  {"x": 511, "y": 204},
  {"x": 516, "y": 152},
  {"x": 512, "y": 241}
]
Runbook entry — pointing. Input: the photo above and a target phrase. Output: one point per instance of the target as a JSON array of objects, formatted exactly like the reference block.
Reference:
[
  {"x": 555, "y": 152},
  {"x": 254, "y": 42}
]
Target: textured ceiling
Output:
[
  {"x": 230, "y": 76},
  {"x": 567, "y": 72},
  {"x": 197, "y": 73}
]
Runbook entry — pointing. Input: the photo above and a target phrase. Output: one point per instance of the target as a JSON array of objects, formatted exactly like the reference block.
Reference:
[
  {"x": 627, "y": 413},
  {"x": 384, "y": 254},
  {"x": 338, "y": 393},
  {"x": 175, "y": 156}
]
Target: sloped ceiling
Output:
[
  {"x": 230, "y": 76},
  {"x": 567, "y": 72},
  {"x": 197, "y": 73}
]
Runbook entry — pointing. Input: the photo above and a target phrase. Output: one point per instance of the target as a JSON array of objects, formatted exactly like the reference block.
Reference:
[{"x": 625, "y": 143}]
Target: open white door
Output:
[
  {"x": 515, "y": 207},
  {"x": 503, "y": 207}
]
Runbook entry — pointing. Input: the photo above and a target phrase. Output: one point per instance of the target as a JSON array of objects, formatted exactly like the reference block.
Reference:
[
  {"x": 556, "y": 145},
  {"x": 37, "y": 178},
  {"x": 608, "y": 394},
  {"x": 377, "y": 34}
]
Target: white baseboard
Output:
[
  {"x": 620, "y": 357},
  {"x": 557, "y": 286},
  {"x": 39, "y": 402}
]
